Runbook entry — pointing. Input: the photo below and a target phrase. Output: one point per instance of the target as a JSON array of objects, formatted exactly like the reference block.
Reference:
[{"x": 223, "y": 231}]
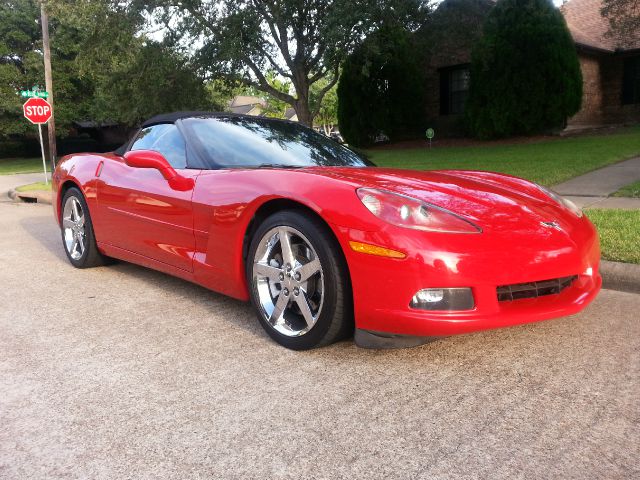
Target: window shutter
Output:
[
  {"x": 629, "y": 79},
  {"x": 444, "y": 92}
]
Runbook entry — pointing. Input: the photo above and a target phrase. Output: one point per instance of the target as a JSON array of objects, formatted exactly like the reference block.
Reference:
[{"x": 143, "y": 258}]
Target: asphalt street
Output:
[{"x": 121, "y": 372}]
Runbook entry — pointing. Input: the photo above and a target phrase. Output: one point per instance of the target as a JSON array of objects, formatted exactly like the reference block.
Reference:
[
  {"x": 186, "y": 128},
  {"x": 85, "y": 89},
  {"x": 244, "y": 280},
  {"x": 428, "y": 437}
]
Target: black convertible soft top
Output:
[{"x": 173, "y": 116}]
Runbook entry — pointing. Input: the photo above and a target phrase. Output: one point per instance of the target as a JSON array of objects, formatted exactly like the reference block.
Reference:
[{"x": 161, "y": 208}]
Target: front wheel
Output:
[{"x": 299, "y": 283}]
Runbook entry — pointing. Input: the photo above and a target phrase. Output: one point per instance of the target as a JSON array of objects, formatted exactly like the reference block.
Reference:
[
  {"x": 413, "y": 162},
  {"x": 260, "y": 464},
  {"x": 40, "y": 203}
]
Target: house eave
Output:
[{"x": 583, "y": 47}]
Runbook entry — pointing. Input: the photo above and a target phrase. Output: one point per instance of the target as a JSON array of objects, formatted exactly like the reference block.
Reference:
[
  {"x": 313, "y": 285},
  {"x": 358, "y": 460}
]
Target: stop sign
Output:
[{"x": 37, "y": 110}]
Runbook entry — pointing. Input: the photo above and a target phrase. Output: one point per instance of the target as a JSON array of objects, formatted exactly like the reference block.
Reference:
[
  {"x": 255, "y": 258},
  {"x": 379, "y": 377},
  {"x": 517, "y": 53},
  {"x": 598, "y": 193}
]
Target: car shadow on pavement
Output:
[{"x": 47, "y": 233}]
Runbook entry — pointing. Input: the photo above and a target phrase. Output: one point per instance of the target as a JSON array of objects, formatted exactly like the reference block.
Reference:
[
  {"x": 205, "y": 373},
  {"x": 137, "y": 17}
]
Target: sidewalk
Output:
[
  {"x": 9, "y": 182},
  {"x": 592, "y": 190}
]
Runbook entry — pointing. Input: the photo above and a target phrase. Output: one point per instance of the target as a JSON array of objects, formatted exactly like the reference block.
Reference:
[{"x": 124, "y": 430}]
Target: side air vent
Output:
[{"x": 517, "y": 291}]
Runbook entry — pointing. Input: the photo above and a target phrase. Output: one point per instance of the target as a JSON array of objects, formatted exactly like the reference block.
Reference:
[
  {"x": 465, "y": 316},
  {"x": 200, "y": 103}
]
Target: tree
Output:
[
  {"x": 624, "y": 20},
  {"x": 131, "y": 76},
  {"x": 381, "y": 89},
  {"x": 154, "y": 80},
  {"x": 525, "y": 74},
  {"x": 21, "y": 66},
  {"x": 327, "y": 115},
  {"x": 304, "y": 41},
  {"x": 104, "y": 68},
  {"x": 275, "y": 107}
]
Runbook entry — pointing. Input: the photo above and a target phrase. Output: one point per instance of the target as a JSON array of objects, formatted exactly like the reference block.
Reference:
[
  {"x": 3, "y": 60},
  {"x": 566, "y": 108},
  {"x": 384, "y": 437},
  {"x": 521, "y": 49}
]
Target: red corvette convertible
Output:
[{"x": 320, "y": 241}]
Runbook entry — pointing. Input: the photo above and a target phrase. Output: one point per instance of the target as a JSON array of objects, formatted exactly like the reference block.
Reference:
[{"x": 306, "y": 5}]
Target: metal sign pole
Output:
[{"x": 44, "y": 161}]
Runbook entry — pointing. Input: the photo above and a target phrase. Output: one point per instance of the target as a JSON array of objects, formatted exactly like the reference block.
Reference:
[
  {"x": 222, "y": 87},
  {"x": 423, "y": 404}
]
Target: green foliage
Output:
[
  {"x": 327, "y": 115},
  {"x": 103, "y": 68},
  {"x": 21, "y": 64},
  {"x": 276, "y": 107},
  {"x": 624, "y": 20},
  {"x": 154, "y": 80},
  {"x": 381, "y": 89},
  {"x": 220, "y": 92},
  {"x": 132, "y": 76},
  {"x": 525, "y": 74},
  {"x": 303, "y": 41}
]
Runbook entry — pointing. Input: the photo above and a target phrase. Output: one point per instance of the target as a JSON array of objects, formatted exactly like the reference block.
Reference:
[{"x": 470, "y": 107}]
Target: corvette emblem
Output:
[{"x": 552, "y": 224}]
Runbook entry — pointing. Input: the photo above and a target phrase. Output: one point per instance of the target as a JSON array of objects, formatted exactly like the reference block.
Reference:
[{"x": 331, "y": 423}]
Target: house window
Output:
[
  {"x": 454, "y": 89},
  {"x": 631, "y": 81}
]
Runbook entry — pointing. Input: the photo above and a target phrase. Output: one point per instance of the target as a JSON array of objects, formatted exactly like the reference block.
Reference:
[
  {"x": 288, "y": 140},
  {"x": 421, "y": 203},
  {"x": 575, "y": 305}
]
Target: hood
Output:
[{"x": 490, "y": 200}]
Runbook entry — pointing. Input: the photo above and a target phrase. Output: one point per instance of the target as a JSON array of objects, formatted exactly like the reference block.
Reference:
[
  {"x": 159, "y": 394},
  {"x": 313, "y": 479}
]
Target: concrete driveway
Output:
[{"x": 122, "y": 372}]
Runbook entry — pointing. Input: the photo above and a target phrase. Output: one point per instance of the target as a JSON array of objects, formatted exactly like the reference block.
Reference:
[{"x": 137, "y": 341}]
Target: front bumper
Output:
[{"x": 383, "y": 287}]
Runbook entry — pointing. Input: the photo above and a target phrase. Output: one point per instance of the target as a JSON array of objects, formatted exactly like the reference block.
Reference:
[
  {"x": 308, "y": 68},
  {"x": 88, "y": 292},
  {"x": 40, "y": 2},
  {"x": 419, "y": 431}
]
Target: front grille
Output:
[{"x": 517, "y": 291}]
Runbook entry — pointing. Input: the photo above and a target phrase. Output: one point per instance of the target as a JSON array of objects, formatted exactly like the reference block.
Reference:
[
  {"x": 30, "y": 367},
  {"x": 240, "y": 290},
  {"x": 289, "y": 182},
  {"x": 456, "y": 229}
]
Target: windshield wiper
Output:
[{"x": 276, "y": 165}]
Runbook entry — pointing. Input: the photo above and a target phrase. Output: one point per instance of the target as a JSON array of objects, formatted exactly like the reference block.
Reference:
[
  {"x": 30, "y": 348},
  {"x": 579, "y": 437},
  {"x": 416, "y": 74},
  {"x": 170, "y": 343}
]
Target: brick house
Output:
[{"x": 610, "y": 67}]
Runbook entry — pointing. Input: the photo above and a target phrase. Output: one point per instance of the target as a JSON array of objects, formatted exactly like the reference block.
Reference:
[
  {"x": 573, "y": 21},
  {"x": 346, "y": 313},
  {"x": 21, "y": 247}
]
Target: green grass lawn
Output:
[
  {"x": 619, "y": 233},
  {"x": 546, "y": 162},
  {"x": 632, "y": 191},
  {"x": 34, "y": 186},
  {"x": 9, "y": 166}
]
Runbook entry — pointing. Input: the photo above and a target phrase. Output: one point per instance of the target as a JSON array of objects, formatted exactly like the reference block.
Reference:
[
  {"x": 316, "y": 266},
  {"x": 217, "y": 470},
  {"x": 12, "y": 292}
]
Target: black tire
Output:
[
  {"x": 91, "y": 256},
  {"x": 335, "y": 320}
]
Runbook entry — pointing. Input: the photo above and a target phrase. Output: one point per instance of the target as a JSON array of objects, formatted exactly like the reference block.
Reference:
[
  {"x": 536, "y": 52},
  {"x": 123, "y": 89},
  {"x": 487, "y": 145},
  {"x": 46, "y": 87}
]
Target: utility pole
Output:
[{"x": 51, "y": 127}]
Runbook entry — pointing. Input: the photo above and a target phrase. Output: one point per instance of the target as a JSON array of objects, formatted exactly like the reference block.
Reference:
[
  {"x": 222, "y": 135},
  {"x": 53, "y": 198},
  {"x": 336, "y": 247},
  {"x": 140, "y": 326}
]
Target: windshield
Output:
[{"x": 257, "y": 142}]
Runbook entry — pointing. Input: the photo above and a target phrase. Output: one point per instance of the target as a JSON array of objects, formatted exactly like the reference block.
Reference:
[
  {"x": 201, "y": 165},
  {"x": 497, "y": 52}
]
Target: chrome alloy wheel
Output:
[
  {"x": 288, "y": 279},
  {"x": 73, "y": 228}
]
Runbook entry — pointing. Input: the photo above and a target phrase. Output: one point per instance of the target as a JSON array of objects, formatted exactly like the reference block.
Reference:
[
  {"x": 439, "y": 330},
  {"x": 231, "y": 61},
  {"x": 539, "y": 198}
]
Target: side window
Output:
[{"x": 165, "y": 139}]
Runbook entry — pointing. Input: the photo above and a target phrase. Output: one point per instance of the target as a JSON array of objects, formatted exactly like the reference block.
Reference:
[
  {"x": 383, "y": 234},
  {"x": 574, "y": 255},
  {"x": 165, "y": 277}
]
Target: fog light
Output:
[
  {"x": 430, "y": 295},
  {"x": 443, "y": 299}
]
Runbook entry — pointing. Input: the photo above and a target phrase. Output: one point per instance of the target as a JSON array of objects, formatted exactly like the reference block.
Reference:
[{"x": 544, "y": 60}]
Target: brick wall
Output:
[
  {"x": 602, "y": 93},
  {"x": 590, "y": 113},
  {"x": 613, "y": 110}
]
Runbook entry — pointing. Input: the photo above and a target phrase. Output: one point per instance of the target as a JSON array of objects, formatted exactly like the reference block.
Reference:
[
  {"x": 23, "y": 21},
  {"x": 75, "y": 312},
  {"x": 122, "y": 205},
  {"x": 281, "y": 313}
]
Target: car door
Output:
[{"x": 141, "y": 213}]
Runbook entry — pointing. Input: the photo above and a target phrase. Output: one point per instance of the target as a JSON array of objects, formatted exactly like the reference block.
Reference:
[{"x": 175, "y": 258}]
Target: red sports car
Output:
[{"x": 322, "y": 242}]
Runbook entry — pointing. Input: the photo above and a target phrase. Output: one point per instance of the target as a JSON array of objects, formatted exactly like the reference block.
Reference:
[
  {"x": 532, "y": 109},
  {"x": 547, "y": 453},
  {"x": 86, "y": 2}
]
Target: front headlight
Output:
[
  {"x": 409, "y": 212},
  {"x": 565, "y": 202}
]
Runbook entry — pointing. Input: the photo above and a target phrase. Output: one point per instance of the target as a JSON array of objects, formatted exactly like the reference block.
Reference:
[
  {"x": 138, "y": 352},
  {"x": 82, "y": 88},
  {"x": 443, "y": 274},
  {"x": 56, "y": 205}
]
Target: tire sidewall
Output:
[
  {"x": 333, "y": 280},
  {"x": 88, "y": 228}
]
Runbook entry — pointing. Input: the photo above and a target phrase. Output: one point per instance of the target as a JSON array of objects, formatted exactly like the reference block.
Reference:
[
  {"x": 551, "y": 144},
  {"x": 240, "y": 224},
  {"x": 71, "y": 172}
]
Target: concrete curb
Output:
[
  {"x": 624, "y": 277},
  {"x": 30, "y": 197}
]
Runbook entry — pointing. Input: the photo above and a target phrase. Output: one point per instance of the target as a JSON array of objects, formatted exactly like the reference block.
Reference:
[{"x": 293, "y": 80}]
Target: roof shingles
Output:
[{"x": 589, "y": 28}]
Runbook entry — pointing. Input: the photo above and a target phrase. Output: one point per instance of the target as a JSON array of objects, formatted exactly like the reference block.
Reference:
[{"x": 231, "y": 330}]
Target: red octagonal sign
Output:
[{"x": 37, "y": 110}]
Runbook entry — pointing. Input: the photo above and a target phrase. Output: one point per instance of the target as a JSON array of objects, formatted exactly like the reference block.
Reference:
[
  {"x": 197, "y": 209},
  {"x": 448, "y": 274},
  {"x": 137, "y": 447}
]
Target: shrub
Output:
[
  {"x": 381, "y": 89},
  {"x": 525, "y": 73}
]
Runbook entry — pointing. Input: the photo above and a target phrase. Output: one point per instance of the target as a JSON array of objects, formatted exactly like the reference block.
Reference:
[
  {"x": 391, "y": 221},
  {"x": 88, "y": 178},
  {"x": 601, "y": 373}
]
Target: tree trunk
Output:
[
  {"x": 304, "y": 112},
  {"x": 301, "y": 84}
]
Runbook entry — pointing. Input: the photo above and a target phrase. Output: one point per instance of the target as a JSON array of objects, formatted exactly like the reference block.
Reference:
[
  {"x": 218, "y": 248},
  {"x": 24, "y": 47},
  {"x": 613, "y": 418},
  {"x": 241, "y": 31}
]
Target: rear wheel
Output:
[
  {"x": 298, "y": 282},
  {"x": 77, "y": 232}
]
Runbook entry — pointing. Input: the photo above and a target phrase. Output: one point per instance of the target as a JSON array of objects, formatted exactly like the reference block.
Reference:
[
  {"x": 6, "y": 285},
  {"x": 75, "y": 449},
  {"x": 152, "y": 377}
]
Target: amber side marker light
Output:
[{"x": 375, "y": 250}]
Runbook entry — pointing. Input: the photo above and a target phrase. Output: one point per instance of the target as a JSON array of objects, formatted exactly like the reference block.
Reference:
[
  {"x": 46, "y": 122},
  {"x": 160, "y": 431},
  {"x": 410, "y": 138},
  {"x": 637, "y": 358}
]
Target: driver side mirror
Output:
[{"x": 153, "y": 159}]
